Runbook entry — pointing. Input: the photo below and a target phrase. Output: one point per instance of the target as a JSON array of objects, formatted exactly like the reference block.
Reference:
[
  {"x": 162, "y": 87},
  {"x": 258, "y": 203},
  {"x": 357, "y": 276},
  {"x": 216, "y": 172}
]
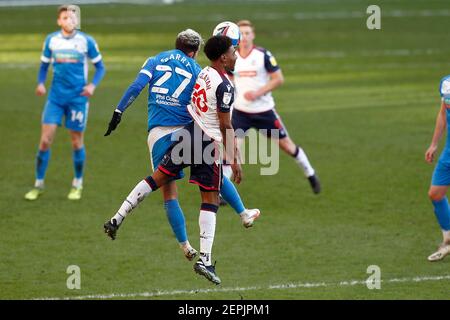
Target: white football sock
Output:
[
  {"x": 138, "y": 194},
  {"x": 207, "y": 222},
  {"x": 303, "y": 162},
  {"x": 77, "y": 182},
  {"x": 39, "y": 183},
  {"x": 226, "y": 170}
]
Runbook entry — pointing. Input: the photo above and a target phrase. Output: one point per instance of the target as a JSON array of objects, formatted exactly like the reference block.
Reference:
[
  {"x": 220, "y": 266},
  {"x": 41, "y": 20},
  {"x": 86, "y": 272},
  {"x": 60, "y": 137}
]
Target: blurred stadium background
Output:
[{"x": 362, "y": 103}]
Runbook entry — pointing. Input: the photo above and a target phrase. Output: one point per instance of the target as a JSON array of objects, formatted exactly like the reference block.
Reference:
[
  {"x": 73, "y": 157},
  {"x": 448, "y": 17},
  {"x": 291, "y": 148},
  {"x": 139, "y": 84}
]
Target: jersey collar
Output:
[
  {"x": 69, "y": 37},
  {"x": 251, "y": 50}
]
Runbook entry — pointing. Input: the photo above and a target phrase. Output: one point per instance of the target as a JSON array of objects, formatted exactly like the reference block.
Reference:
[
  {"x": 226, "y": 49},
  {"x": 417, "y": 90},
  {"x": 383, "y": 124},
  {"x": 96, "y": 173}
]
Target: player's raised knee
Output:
[{"x": 436, "y": 194}]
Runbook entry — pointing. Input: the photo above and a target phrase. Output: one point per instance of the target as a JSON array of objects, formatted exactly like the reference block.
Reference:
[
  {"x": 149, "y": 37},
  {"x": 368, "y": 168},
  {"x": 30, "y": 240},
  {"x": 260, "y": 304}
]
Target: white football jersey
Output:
[
  {"x": 213, "y": 92},
  {"x": 251, "y": 73}
]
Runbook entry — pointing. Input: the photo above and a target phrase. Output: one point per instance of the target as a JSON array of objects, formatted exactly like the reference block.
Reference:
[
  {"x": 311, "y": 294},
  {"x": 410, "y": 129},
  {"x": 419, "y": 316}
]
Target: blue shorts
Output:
[
  {"x": 159, "y": 143},
  {"x": 266, "y": 121},
  {"x": 74, "y": 111},
  {"x": 441, "y": 174}
]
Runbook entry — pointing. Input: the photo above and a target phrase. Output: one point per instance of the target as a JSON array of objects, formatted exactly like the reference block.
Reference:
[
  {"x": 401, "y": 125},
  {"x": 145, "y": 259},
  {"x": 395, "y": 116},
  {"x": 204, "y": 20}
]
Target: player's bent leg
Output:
[
  {"x": 288, "y": 146},
  {"x": 437, "y": 193},
  {"x": 136, "y": 196},
  {"x": 231, "y": 195},
  {"x": 48, "y": 132},
  {"x": 79, "y": 158},
  {"x": 207, "y": 223},
  {"x": 176, "y": 219}
]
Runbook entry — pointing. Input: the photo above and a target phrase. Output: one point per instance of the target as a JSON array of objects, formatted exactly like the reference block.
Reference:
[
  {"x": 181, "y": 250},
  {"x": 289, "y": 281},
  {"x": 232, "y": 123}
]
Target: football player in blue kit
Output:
[
  {"x": 441, "y": 175},
  {"x": 68, "y": 51},
  {"x": 171, "y": 77}
]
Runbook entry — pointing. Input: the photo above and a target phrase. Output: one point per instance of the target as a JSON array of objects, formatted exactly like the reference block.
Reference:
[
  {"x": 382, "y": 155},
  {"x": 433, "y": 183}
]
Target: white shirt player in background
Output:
[{"x": 256, "y": 76}]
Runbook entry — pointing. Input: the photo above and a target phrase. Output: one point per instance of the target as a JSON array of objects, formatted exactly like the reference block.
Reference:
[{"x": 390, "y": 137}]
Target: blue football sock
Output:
[
  {"x": 42, "y": 159},
  {"x": 231, "y": 195},
  {"x": 79, "y": 157},
  {"x": 176, "y": 219},
  {"x": 442, "y": 212}
]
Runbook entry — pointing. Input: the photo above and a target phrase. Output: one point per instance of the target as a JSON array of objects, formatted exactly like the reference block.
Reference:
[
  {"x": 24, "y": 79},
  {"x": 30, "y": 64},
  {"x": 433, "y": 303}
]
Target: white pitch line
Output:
[{"x": 306, "y": 285}]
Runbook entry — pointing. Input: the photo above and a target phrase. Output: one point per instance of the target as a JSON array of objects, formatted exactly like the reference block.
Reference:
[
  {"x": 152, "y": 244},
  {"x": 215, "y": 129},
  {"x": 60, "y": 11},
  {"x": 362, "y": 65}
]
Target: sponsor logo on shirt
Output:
[
  {"x": 250, "y": 74},
  {"x": 64, "y": 57},
  {"x": 227, "y": 98}
]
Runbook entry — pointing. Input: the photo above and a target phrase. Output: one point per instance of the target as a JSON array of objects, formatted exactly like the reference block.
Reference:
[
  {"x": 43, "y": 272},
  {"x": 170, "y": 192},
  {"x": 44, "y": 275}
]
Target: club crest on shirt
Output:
[{"x": 227, "y": 97}]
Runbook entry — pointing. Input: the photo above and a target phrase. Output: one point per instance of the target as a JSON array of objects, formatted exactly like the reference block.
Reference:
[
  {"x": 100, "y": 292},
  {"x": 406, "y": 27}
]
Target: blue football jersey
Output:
[
  {"x": 69, "y": 56},
  {"x": 173, "y": 75}
]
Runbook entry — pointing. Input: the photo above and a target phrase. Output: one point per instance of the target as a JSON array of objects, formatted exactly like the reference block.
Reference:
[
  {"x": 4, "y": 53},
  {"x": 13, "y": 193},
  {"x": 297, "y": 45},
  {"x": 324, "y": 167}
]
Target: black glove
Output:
[{"x": 115, "y": 120}]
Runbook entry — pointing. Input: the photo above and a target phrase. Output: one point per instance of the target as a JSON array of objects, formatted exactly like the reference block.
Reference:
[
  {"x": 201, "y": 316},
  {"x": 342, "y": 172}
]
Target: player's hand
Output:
[
  {"x": 237, "y": 172},
  {"x": 115, "y": 120},
  {"x": 88, "y": 90},
  {"x": 251, "y": 95},
  {"x": 429, "y": 154},
  {"x": 40, "y": 90}
]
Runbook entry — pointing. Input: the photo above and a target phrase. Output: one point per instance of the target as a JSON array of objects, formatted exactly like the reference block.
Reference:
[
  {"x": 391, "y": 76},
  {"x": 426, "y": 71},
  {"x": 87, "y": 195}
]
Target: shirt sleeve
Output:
[
  {"x": 93, "y": 50},
  {"x": 42, "y": 75},
  {"x": 144, "y": 76},
  {"x": 225, "y": 97},
  {"x": 148, "y": 67},
  {"x": 270, "y": 63},
  {"x": 46, "y": 51}
]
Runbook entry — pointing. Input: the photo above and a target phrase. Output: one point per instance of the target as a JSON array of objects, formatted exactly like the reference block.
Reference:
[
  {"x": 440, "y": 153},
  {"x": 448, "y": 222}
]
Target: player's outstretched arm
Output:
[
  {"x": 130, "y": 95},
  {"x": 441, "y": 123}
]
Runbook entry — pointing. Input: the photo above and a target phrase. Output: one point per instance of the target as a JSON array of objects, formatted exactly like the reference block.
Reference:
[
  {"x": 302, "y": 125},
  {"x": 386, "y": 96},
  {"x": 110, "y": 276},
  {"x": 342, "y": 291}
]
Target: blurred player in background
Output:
[
  {"x": 171, "y": 77},
  {"x": 441, "y": 175},
  {"x": 68, "y": 51},
  {"x": 256, "y": 76},
  {"x": 210, "y": 108}
]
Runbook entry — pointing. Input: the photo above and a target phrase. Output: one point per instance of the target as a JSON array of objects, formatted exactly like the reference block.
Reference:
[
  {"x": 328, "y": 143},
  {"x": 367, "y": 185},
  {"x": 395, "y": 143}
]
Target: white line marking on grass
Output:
[{"x": 306, "y": 285}]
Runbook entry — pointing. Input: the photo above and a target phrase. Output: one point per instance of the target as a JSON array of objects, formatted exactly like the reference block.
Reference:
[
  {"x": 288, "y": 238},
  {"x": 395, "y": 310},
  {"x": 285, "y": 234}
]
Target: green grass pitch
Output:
[{"x": 362, "y": 104}]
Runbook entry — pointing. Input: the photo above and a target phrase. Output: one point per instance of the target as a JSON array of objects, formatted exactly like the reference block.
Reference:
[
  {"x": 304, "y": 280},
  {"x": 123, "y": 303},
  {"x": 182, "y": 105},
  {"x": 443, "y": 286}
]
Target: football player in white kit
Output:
[{"x": 256, "y": 76}]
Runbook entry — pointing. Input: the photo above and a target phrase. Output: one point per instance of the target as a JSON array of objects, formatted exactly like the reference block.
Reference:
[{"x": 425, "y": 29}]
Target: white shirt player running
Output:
[
  {"x": 250, "y": 74},
  {"x": 213, "y": 92}
]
